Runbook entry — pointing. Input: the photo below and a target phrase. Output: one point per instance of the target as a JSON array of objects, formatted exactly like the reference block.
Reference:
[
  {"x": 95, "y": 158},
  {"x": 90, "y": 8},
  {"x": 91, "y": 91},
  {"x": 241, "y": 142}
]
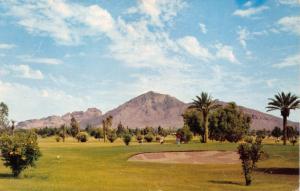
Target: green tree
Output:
[
  {"x": 4, "y": 122},
  {"x": 19, "y": 151},
  {"x": 75, "y": 127},
  {"x": 229, "y": 123},
  {"x": 276, "y": 132},
  {"x": 127, "y": 138},
  {"x": 106, "y": 124},
  {"x": 250, "y": 152},
  {"x": 284, "y": 103},
  {"x": 120, "y": 130},
  {"x": 111, "y": 135},
  {"x": 63, "y": 132},
  {"x": 185, "y": 134},
  {"x": 193, "y": 119},
  {"x": 205, "y": 104},
  {"x": 291, "y": 132}
]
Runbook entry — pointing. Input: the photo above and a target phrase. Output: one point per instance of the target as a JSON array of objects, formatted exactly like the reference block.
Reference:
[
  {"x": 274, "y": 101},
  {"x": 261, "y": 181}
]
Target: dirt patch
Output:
[{"x": 196, "y": 157}]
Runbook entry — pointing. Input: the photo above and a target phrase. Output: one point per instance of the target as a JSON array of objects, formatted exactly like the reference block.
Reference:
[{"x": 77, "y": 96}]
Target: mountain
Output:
[
  {"x": 149, "y": 109},
  {"x": 84, "y": 117}
]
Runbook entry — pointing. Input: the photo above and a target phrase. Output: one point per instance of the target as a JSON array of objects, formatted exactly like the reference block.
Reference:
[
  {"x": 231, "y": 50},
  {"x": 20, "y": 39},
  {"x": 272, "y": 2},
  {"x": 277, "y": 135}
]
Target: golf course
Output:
[{"x": 95, "y": 165}]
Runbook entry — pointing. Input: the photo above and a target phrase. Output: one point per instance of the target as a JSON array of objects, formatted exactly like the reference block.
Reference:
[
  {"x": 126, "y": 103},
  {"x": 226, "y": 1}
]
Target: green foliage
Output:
[
  {"x": 111, "y": 135},
  {"x": 82, "y": 137},
  {"x": 261, "y": 133},
  {"x": 120, "y": 130},
  {"x": 185, "y": 134},
  {"x": 47, "y": 131},
  {"x": 63, "y": 132},
  {"x": 204, "y": 104},
  {"x": 162, "y": 132},
  {"x": 193, "y": 119},
  {"x": 139, "y": 138},
  {"x": 284, "y": 103},
  {"x": 228, "y": 123},
  {"x": 75, "y": 127},
  {"x": 250, "y": 152},
  {"x": 291, "y": 132},
  {"x": 127, "y": 139},
  {"x": 4, "y": 122},
  {"x": 148, "y": 130},
  {"x": 149, "y": 137},
  {"x": 19, "y": 151},
  {"x": 106, "y": 124},
  {"x": 276, "y": 132},
  {"x": 57, "y": 138}
]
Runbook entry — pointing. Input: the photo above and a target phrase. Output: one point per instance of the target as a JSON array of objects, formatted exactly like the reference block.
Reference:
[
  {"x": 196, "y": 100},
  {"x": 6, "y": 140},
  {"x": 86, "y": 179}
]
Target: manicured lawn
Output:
[{"x": 104, "y": 166}]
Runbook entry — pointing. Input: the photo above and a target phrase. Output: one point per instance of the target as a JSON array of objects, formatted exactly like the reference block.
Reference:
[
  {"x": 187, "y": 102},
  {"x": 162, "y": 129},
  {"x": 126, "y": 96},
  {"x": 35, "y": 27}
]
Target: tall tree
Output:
[
  {"x": 75, "y": 127},
  {"x": 205, "y": 104},
  {"x": 4, "y": 122},
  {"x": 284, "y": 103},
  {"x": 106, "y": 124}
]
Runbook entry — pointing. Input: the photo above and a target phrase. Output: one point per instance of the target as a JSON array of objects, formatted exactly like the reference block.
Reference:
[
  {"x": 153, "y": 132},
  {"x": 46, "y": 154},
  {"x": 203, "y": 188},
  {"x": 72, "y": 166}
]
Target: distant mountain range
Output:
[{"x": 149, "y": 109}]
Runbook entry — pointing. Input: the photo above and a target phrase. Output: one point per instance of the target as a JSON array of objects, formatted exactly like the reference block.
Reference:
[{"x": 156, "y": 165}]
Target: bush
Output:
[
  {"x": 185, "y": 134},
  {"x": 19, "y": 151},
  {"x": 139, "y": 138},
  {"x": 148, "y": 137},
  {"x": 57, "y": 138},
  {"x": 157, "y": 138},
  {"x": 127, "y": 139},
  {"x": 82, "y": 137},
  {"x": 111, "y": 136},
  {"x": 250, "y": 152}
]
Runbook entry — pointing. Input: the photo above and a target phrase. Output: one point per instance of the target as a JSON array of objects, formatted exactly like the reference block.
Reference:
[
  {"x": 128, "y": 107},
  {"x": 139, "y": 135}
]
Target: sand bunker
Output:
[{"x": 199, "y": 157}]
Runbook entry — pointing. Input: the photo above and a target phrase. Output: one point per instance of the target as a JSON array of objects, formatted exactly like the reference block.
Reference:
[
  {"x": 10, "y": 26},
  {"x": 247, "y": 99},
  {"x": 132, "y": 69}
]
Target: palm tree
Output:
[
  {"x": 284, "y": 103},
  {"x": 204, "y": 104}
]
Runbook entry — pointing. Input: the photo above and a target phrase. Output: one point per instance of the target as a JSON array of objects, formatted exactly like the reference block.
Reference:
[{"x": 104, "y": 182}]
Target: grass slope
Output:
[{"x": 103, "y": 166}]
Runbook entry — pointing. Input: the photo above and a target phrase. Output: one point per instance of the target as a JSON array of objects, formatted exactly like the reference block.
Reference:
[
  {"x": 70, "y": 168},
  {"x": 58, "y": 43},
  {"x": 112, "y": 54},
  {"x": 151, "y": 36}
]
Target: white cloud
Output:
[
  {"x": 271, "y": 82},
  {"x": 159, "y": 11},
  {"x": 250, "y": 11},
  {"x": 290, "y": 2},
  {"x": 290, "y": 24},
  {"x": 193, "y": 47},
  {"x": 38, "y": 60},
  {"x": 27, "y": 102},
  {"x": 226, "y": 52},
  {"x": 248, "y": 4},
  {"x": 243, "y": 35},
  {"x": 24, "y": 71},
  {"x": 7, "y": 46},
  {"x": 65, "y": 22},
  {"x": 293, "y": 60},
  {"x": 203, "y": 28}
]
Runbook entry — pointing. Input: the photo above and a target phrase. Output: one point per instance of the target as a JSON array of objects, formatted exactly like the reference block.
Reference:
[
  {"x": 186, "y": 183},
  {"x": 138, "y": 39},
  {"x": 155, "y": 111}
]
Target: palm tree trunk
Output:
[
  {"x": 284, "y": 130},
  {"x": 205, "y": 122}
]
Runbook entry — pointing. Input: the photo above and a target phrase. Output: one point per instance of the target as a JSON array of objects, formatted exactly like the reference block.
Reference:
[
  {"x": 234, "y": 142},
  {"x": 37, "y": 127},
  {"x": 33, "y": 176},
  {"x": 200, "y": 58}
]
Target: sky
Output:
[{"x": 59, "y": 56}]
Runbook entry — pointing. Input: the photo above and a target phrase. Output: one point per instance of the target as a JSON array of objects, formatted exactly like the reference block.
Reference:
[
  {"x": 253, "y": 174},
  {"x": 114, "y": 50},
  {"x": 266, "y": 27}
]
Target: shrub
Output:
[
  {"x": 19, "y": 151},
  {"x": 148, "y": 137},
  {"x": 82, "y": 137},
  {"x": 127, "y": 139},
  {"x": 157, "y": 138},
  {"x": 185, "y": 134},
  {"x": 57, "y": 138},
  {"x": 250, "y": 152},
  {"x": 139, "y": 138},
  {"x": 111, "y": 135},
  {"x": 293, "y": 141}
]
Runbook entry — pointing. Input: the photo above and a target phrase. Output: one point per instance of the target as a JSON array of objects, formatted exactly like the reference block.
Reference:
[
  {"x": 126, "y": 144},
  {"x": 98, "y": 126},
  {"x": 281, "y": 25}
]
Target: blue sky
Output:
[{"x": 60, "y": 56}]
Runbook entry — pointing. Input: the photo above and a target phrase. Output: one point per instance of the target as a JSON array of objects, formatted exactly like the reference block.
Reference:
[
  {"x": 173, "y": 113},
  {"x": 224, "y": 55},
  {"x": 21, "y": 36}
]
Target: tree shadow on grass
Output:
[
  {"x": 6, "y": 176},
  {"x": 224, "y": 182},
  {"x": 285, "y": 171}
]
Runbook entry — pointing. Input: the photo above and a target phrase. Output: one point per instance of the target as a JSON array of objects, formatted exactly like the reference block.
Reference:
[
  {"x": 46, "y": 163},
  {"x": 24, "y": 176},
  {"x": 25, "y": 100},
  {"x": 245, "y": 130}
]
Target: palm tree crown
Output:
[
  {"x": 204, "y": 103},
  {"x": 284, "y": 103}
]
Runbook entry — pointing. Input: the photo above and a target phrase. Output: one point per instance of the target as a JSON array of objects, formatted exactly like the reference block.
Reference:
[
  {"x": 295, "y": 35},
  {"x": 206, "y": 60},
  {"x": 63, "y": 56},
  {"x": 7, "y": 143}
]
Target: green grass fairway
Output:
[{"x": 103, "y": 166}]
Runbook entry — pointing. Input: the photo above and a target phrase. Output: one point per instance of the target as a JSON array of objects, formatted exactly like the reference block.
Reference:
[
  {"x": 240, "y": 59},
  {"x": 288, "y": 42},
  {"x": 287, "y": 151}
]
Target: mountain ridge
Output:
[{"x": 148, "y": 109}]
